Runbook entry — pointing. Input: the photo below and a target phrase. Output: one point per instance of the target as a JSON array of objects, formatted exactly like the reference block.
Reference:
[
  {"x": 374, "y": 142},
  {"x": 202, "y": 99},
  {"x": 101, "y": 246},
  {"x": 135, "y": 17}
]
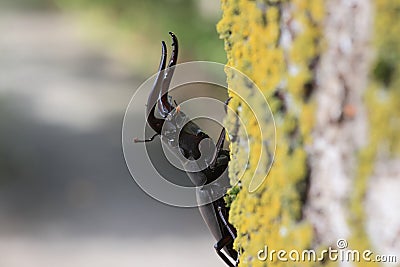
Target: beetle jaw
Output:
[{"x": 159, "y": 93}]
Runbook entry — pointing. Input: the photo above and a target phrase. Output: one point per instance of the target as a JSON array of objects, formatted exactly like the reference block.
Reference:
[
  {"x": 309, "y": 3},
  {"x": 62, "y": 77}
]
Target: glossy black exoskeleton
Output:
[{"x": 168, "y": 121}]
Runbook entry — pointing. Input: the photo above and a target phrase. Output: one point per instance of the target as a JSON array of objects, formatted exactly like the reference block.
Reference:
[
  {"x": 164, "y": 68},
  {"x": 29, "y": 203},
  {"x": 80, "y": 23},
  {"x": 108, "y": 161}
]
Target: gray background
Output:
[{"x": 66, "y": 196}]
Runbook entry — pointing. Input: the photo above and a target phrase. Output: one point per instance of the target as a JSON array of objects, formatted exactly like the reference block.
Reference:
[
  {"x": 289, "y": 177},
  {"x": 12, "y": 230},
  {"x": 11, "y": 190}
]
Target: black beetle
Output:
[{"x": 169, "y": 123}]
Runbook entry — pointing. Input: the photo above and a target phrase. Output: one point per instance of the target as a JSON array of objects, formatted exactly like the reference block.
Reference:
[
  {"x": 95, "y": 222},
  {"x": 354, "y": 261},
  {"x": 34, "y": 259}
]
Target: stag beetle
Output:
[{"x": 169, "y": 122}]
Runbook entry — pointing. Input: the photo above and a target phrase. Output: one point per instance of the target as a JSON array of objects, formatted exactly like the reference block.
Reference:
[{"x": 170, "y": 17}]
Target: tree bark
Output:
[{"x": 329, "y": 70}]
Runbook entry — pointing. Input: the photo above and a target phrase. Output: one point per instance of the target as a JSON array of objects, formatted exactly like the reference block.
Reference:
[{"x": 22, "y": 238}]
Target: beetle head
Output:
[{"x": 166, "y": 119}]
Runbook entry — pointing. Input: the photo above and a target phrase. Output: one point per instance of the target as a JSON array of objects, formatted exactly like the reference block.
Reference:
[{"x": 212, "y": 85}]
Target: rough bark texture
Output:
[
  {"x": 341, "y": 120},
  {"x": 330, "y": 71}
]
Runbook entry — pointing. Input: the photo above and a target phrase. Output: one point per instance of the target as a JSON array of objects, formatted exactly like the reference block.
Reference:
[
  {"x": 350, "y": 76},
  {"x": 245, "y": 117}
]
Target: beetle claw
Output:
[
  {"x": 159, "y": 93},
  {"x": 163, "y": 101},
  {"x": 152, "y": 120}
]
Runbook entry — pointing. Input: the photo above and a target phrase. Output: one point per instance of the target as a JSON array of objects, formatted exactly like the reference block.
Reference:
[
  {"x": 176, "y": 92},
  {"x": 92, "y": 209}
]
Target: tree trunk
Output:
[{"x": 330, "y": 72}]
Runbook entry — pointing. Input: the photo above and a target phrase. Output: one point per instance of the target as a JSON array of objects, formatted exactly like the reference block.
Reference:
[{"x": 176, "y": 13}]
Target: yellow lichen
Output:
[{"x": 252, "y": 31}]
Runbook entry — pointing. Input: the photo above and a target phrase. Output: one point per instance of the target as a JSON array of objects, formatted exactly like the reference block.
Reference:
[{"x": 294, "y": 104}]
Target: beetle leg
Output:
[
  {"x": 220, "y": 245},
  {"x": 219, "y": 146},
  {"x": 221, "y": 139},
  {"x": 225, "y": 240},
  {"x": 136, "y": 140},
  {"x": 226, "y": 104},
  {"x": 221, "y": 215}
]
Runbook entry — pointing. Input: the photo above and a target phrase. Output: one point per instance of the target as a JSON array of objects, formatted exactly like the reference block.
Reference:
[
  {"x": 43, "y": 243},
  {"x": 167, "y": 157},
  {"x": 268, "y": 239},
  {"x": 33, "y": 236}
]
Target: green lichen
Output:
[
  {"x": 272, "y": 215},
  {"x": 231, "y": 195}
]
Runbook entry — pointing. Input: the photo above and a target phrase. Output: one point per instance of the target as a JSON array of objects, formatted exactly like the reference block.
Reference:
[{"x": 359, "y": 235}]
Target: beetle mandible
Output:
[{"x": 166, "y": 120}]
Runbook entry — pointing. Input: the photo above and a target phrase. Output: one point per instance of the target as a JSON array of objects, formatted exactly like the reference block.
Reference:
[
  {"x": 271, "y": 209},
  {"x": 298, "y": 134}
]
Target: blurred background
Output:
[{"x": 68, "y": 70}]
